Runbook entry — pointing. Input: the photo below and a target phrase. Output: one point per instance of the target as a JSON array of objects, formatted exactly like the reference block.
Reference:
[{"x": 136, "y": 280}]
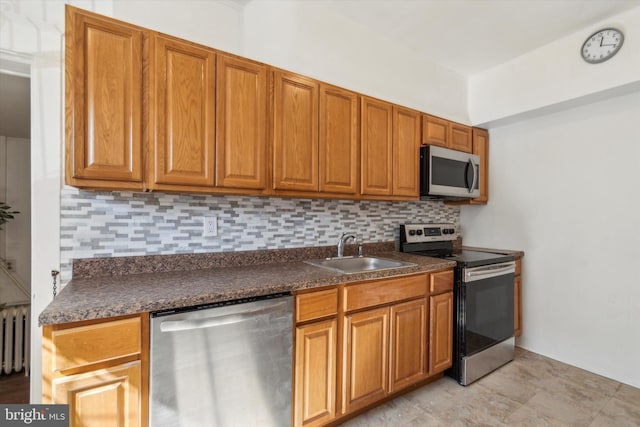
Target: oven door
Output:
[{"x": 487, "y": 298}]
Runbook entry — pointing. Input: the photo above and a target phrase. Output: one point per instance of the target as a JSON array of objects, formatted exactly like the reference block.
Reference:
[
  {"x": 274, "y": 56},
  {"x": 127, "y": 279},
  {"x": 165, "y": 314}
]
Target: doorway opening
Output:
[{"x": 15, "y": 233}]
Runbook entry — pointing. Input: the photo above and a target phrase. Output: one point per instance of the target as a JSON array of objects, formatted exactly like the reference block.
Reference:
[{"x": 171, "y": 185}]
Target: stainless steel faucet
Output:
[{"x": 343, "y": 240}]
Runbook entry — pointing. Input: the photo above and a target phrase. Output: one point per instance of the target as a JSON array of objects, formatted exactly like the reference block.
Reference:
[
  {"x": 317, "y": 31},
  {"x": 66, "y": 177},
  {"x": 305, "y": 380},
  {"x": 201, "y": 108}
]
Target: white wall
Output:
[
  {"x": 211, "y": 23},
  {"x": 555, "y": 74},
  {"x": 564, "y": 188},
  {"x": 307, "y": 37}
]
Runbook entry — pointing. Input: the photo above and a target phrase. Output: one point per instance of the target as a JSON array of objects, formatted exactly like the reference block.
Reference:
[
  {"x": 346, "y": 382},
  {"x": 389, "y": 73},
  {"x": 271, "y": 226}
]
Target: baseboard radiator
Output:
[{"x": 16, "y": 324}]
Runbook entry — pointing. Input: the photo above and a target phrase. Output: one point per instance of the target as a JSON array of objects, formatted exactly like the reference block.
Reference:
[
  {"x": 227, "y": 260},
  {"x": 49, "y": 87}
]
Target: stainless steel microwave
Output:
[{"x": 448, "y": 174}]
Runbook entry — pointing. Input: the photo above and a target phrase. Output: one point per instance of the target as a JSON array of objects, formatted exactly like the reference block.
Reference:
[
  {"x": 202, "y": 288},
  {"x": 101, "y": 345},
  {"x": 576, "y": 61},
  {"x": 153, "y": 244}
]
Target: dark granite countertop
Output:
[{"x": 108, "y": 287}]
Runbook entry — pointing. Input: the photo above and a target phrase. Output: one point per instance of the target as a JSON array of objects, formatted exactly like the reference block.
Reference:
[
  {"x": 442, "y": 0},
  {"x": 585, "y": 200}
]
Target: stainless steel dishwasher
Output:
[{"x": 226, "y": 364}]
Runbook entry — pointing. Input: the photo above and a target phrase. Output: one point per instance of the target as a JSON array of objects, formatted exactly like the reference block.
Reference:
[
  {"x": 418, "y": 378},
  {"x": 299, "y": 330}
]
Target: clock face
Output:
[{"x": 602, "y": 45}]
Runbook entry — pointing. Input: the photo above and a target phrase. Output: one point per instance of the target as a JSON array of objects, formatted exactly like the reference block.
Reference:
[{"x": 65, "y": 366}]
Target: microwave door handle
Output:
[
  {"x": 475, "y": 175},
  {"x": 474, "y": 172}
]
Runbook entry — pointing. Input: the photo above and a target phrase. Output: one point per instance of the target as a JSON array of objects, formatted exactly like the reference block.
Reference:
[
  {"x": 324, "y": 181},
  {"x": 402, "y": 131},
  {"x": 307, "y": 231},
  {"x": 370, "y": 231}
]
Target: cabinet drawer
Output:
[
  {"x": 315, "y": 305},
  {"x": 384, "y": 291},
  {"x": 98, "y": 342},
  {"x": 441, "y": 281},
  {"x": 518, "y": 267}
]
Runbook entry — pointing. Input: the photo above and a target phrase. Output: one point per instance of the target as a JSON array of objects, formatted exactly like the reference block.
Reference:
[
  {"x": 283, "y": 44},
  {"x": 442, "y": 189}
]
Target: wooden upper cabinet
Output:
[
  {"x": 295, "y": 132},
  {"x": 103, "y": 117},
  {"x": 182, "y": 106},
  {"x": 406, "y": 152},
  {"x": 460, "y": 137},
  {"x": 481, "y": 148},
  {"x": 435, "y": 131},
  {"x": 339, "y": 140},
  {"x": 444, "y": 133},
  {"x": 241, "y": 123},
  {"x": 376, "y": 140}
]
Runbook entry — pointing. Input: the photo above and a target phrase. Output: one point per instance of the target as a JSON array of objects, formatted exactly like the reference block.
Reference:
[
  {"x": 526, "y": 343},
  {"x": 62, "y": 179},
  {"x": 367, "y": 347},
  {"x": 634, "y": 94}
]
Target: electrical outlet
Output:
[
  {"x": 210, "y": 226},
  {"x": 11, "y": 265}
]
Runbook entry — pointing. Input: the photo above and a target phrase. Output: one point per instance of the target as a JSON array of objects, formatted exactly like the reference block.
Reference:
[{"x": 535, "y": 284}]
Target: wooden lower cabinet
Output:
[
  {"x": 408, "y": 343},
  {"x": 440, "y": 332},
  {"x": 360, "y": 343},
  {"x": 100, "y": 369},
  {"x": 517, "y": 303},
  {"x": 366, "y": 352},
  {"x": 104, "y": 397},
  {"x": 315, "y": 373}
]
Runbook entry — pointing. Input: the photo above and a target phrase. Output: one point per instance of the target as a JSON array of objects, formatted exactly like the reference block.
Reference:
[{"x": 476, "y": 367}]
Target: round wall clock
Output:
[{"x": 602, "y": 45}]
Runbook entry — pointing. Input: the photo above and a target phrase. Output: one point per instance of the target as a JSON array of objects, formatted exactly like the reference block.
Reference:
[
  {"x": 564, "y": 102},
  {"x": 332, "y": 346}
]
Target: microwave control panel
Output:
[{"x": 420, "y": 233}]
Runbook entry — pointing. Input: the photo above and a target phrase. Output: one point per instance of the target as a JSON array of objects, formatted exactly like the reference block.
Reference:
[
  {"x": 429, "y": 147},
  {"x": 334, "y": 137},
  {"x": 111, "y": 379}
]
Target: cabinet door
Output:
[
  {"x": 377, "y": 147},
  {"x": 408, "y": 339},
  {"x": 241, "y": 127},
  {"x": 295, "y": 133},
  {"x": 440, "y": 332},
  {"x": 315, "y": 373},
  {"x": 105, "y": 397},
  {"x": 406, "y": 152},
  {"x": 517, "y": 293},
  {"x": 481, "y": 148},
  {"x": 339, "y": 149},
  {"x": 435, "y": 131},
  {"x": 103, "y": 101},
  {"x": 460, "y": 137},
  {"x": 183, "y": 102},
  {"x": 366, "y": 347}
]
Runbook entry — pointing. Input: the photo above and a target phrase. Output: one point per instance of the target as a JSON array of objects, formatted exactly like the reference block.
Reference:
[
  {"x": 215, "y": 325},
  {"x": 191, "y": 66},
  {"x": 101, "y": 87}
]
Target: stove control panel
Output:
[{"x": 419, "y": 233}]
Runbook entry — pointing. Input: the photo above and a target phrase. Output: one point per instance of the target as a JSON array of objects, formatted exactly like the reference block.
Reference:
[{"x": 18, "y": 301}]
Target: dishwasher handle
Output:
[{"x": 219, "y": 320}]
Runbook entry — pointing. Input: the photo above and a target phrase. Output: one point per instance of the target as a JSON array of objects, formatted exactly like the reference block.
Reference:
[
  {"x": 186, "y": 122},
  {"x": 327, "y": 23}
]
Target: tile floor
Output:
[{"x": 530, "y": 391}]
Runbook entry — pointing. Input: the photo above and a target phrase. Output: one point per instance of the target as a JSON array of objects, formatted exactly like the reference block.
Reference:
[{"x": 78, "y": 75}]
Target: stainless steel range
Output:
[{"x": 483, "y": 299}]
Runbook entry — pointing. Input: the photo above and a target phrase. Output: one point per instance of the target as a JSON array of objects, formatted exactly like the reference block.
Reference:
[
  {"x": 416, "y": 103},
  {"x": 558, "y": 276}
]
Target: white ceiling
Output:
[{"x": 469, "y": 36}]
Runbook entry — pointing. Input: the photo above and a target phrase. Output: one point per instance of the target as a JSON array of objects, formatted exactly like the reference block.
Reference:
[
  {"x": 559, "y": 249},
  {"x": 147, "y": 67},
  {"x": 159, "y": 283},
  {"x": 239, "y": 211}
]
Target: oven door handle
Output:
[{"x": 487, "y": 272}]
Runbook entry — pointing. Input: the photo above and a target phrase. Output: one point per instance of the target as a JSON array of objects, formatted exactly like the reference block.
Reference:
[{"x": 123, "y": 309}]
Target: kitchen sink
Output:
[{"x": 360, "y": 264}]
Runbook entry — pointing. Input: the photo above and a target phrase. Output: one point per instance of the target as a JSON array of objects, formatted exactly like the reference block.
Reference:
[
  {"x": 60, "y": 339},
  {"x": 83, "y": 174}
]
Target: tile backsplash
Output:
[{"x": 108, "y": 224}]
